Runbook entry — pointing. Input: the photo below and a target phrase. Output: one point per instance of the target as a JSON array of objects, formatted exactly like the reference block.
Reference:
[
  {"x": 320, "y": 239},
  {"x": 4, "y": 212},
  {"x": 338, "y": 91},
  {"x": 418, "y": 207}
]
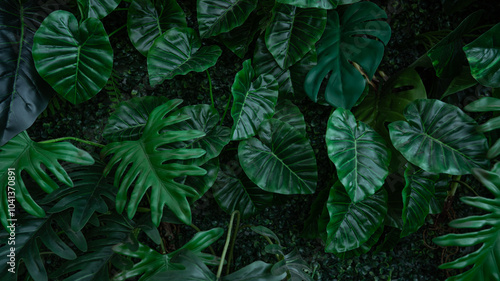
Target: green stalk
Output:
[
  {"x": 118, "y": 29},
  {"x": 233, "y": 241},
  {"x": 210, "y": 85},
  {"x": 75, "y": 139},
  {"x": 225, "y": 110},
  {"x": 226, "y": 245}
]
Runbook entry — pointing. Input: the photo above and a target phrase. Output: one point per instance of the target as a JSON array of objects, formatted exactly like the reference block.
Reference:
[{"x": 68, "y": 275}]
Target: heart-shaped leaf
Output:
[
  {"x": 147, "y": 21},
  {"x": 428, "y": 141},
  {"x": 359, "y": 153},
  {"x": 219, "y": 16},
  {"x": 75, "y": 59},
  {"x": 280, "y": 161},
  {"x": 343, "y": 42},
  {"x": 288, "y": 112},
  {"x": 178, "y": 52},
  {"x": 321, "y": 4},
  {"x": 97, "y": 8},
  {"x": 293, "y": 32}
]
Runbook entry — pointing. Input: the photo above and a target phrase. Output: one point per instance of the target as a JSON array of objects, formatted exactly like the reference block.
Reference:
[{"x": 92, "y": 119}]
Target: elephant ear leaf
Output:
[
  {"x": 97, "y": 8},
  {"x": 75, "y": 59},
  {"x": 484, "y": 261},
  {"x": 23, "y": 154},
  {"x": 24, "y": 93},
  {"x": 321, "y": 4},
  {"x": 345, "y": 41},
  {"x": 149, "y": 164},
  {"x": 220, "y": 16}
]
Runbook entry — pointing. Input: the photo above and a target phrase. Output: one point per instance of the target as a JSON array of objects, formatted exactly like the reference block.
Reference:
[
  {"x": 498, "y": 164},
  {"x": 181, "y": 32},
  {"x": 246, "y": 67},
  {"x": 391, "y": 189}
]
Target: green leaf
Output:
[
  {"x": 35, "y": 159},
  {"x": 24, "y": 93},
  {"x": 155, "y": 168},
  {"x": 483, "y": 57},
  {"x": 462, "y": 81},
  {"x": 321, "y": 4},
  {"x": 289, "y": 113},
  {"x": 364, "y": 248},
  {"x": 147, "y": 21},
  {"x": 219, "y": 16},
  {"x": 293, "y": 32},
  {"x": 75, "y": 59},
  {"x": 417, "y": 195},
  {"x": 177, "y": 52},
  {"x": 428, "y": 141},
  {"x": 238, "y": 40},
  {"x": 359, "y": 153},
  {"x": 294, "y": 266},
  {"x": 351, "y": 39},
  {"x": 264, "y": 231},
  {"x": 256, "y": 271},
  {"x": 280, "y": 161},
  {"x": 254, "y": 101},
  {"x": 130, "y": 117},
  {"x": 97, "y": 8},
  {"x": 352, "y": 224},
  {"x": 484, "y": 260},
  {"x": 486, "y": 104}
]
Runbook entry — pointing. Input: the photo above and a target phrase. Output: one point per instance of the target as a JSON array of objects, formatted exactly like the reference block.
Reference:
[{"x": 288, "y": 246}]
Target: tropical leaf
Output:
[
  {"x": 486, "y": 104},
  {"x": 292, "y": 264},
  {"x": 365, "y": 247},
  {"x": 360, "y": 154},
  {"x": 351, "y": 39},
  {"x": 238, "y": 40},
  {"x": 75, "y": 59},
  {"x": 321, "y": 4},
  {"x": 177, "y": 52},
  {"x": 485, "y": 260},
  {"x": 288, "y": 112},
  {"x": 280, "y": 161},
  {"x": 97, "y": 8},
  {"x": 462, "y": 81},
  {"x": 35, "y": 159},
  {"x": 453, "y": 149},
  {"x": 148, "y": 20},
  {"x": 219, "y": 16},
  {"x": 24, "y": 93},
  {"x": 254, "y": 101},
  {"x": 293, "y": 32},
  {"x": 155, "y": 168},
  {"x": 352, "y": 224}
]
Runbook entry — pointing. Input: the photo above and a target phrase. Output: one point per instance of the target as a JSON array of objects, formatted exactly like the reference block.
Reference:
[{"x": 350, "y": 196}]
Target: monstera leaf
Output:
[
  {"x": 293, "y": 32},
  {"x": 75, "y": 59},
  {"x": 254, "y": 101},
  {"x": 428, "y": 141},
  {"x": 24, "y": 93},
  {"x": 280, "y": 161},
  {"x": 177, "y": 52},
  {"x": 352, "y": 224},
  {"x": 97, "y": 8},
  {"x": 321, "y": 4},
  {"x": 155, "y": 167},
  {"x": 23, "y": 154},
  {"x": 359, "y": 153},
  {"x": 219, "y": 16},
  {"x": 486, "y": 104},
  {"x": 153, "y": 262},
  {"x": 147, "y": 21},
  {"x": 484, "y": 261},
  {"x": 344, "y": 41},
  {"x": 482, "y": 55}
]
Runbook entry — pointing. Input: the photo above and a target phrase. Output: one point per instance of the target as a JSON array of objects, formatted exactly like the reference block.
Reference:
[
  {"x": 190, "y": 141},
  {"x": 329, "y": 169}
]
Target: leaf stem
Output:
[
  {"x": 226, "y": 245},
  {"x": 233, "y": 241},
  {"x": 225, "y": 110},
  {"x": 75, "y": 139},
  {"x": 453, "y": 186},
  {"x": 466, "y": 185},
  {"x": 210, "y": 85},
  {"x": 116, "y": 30}
]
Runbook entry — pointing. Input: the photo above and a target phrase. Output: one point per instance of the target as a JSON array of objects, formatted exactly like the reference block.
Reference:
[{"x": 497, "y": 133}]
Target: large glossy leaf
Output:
[
  {"x": 360, "y": 154},
  {"x": 346, "y": 40},
  {"x": 145, "y": 165},
  {"x": 288, "y": 112},
  {"x": 177, "y": 52},
  {"x": 36, "y": 159},
  {"x": 75, "y": 59},
  {"x": 280, "y": 161},
  {"x": 483, "y": 56},
  {"x": 365, "y": 247},
  {"x": 254, "y": 101},
  {"x": 428, "y": 141},
  {"x": 322, "y": 4},
  {"x": 352, "y": 224},
  {"x": 485, "y": 260},
  {"x": 238, "y": 40},
  {"x": 219, "y": 16},
  {"x": 24, "y": 93},
  {"x": 293, "y": 32},
  {"x": 97, "y": 8},
  {"x": 147, "y": 21}
]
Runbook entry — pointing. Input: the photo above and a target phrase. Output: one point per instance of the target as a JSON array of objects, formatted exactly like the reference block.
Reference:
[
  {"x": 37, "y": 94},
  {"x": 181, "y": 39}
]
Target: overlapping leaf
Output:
[
  {"x": 219, "y": 16},
  {"x": 238, "y": 40},
  {"x": 97, "y": 8},
  {"x": 288, "y": 112},
  {"x": 321, "y": 4},
  {"x": 486, "y": 104}
]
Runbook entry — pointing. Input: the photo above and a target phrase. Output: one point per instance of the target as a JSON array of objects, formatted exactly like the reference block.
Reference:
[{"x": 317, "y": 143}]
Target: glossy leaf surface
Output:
[
  {"x": 97, "y": 8},
  {"x": 289, "y": 113},
  {"x": 219, "y": 16},
  {"x": 322, "y": 4}
]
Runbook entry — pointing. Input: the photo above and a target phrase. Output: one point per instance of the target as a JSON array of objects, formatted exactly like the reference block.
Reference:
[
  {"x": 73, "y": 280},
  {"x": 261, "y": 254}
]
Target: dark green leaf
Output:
[
  {"x": 239, "y": 39},
  {"x": 97, "y": 8},
  {"x": 365, "y": 247},
  {"x": 462, "y": 81},
  {"x": 288, "y": 112},
  {"x": 219, "y": 16},
  {"x": 321, "y": 4},
  {"x": 294, "y": 266}
]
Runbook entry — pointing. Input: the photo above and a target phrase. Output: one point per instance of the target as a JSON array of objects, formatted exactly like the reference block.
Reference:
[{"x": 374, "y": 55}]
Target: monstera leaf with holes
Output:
[
  {"x": 154, "y": 166},
  {"x": 24, "y": 93},
  {"x": 219, "y": 16},
  {"x": 97, "y": 8},
  {"x": 281, "y": 160},
  {"x": 76, "y": 59},
  {"x": 148, "y": 20},
  {"x": 345, "y": 41},
  {"x": 428, "y": 141},
  {"x": 487, "y": 104},
  {"x": 178, "y": 51},
  {"x": 485, "y": 260},
  {"x": 25, "y": 155},
  {"x": 359, "y": 153},
  {"x": 254, "y": 101},
  {"x": 29, "y": 230},
  {"x": 153, "y": 262}
]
